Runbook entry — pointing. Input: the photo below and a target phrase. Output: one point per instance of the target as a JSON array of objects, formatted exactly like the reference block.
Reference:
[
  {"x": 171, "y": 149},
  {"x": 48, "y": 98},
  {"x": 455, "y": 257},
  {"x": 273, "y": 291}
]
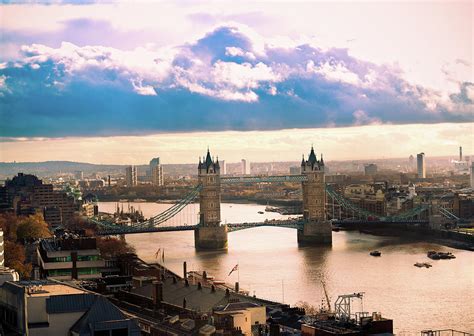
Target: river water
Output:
[{"x": 272, "y": 266}]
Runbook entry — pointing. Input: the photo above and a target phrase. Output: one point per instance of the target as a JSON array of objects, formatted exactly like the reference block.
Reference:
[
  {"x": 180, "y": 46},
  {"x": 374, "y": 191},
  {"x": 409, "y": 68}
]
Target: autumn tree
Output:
[
  {"x": 15, "y": 258},
  {"x": 33, "y": 227},
  {"x": 112, "y": 247},
  {"x": 9, "y": 224},
  {"x": 79, "y": 223}
]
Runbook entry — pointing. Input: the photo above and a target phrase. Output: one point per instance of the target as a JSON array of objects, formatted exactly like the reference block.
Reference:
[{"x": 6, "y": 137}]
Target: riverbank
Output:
[
  {"x": 173, "y": 200},
  {"x": 441, "y": 237}
]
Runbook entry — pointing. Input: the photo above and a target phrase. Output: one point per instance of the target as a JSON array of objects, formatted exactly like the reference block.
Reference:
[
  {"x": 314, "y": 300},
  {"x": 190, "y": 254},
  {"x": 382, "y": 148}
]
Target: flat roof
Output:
[{"x": 51, "y": 289}]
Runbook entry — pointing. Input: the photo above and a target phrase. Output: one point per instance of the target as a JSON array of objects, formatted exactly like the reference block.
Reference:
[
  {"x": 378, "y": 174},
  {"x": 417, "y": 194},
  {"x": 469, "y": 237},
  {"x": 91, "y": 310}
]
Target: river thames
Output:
[{"x": 273, "y": 266}]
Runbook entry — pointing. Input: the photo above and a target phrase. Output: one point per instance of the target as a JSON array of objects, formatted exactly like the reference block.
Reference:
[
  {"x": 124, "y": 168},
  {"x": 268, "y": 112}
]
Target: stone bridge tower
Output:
[
  {"x": 210, "y": 234},
  {"x": 316, "y": 229}
]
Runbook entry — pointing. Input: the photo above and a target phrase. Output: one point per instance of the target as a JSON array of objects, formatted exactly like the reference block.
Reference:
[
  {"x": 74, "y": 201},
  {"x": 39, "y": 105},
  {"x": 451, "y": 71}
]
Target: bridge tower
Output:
[
  {"x": 210, "y": 234},
  {"x": 316, "y": 229}
]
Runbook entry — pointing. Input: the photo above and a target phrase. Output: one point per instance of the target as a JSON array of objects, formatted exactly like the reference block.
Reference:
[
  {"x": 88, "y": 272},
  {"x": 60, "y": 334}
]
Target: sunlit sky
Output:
[{"x": 124, "y": 82}]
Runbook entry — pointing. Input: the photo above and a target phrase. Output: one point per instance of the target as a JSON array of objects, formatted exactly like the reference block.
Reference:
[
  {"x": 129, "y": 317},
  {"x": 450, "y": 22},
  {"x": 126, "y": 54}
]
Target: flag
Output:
[
  {"x": 157, "y": 253},
  {"x": 236, "y": 267}
]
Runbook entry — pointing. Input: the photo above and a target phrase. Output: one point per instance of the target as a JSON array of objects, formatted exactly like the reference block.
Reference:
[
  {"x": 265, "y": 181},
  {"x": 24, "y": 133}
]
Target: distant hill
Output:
[
  {"x": 54, "y": 167},
  {"x": 48, "y": 168}
]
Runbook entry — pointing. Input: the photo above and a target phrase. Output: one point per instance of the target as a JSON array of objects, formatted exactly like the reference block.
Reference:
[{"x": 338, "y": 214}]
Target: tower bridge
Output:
[{"x": 209, "y": 233}]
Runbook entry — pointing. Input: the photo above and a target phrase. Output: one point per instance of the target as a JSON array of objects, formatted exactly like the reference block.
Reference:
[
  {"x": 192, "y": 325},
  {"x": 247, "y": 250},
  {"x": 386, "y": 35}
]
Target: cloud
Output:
[{"x": 229, "y": 79}]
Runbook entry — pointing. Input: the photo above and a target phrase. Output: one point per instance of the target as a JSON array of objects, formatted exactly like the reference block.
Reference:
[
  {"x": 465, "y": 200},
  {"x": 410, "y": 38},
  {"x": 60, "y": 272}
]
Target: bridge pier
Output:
[
  {"x": 210, "y": 235},
  {"x": 210, "y": 238},
  {"x": 316, "y": 229}
]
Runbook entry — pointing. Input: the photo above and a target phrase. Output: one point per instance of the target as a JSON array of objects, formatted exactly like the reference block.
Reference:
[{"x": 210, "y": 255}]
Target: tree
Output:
[
  {"x": 112, "y": 247},
  {"x": 33, "y": 227},
  {"x": 15, "y": 258},
  {"x": 78, "y": 223},
  {"x": 9, "y": 224}
]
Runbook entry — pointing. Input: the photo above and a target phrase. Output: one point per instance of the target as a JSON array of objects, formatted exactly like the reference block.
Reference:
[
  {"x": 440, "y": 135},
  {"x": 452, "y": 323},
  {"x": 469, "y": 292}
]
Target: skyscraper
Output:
[
  {"x": 223, "y": 165},
  {"x": 131, "y": 176},
  {"x": 245, "y": 165},
  {"x": 411, "y": 163},
  {"x": 472, "y": 174},
  {"x": 156, "y": 172},
  {"x": 420, "y": 163}
]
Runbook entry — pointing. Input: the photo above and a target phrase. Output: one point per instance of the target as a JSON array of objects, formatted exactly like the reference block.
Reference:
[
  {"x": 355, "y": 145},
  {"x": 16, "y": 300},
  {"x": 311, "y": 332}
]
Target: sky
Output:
[{"x": 124, "y": 82}]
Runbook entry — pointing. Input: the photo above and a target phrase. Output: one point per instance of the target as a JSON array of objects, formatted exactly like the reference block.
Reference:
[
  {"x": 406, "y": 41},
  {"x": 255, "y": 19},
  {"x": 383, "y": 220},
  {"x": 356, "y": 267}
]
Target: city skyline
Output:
[{"x": 102, "y": 78}]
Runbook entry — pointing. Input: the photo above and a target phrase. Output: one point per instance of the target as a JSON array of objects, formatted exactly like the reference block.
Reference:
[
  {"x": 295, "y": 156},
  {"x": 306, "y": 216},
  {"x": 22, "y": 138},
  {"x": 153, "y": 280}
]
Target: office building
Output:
[
  {"x": 245, "y": 167},
  {"x": 472, "y": 174},
  {"x": 27, "y": 195},
  {"x": 69, "y": 258},
  {"x": 421, "y": 166},
  {"x": 370, "y": 169},
  {"x": 42, "y": 308},
  {"x": 156, "y": 172},
  {"x": 223, "y": 166},
  {"x": 131, "y": 176},
  {"x": 411, "y": 162}
]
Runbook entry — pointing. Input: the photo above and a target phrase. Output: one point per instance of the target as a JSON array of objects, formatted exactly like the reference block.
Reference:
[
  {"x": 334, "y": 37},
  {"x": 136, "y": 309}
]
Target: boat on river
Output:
[
  {"x": 375, "y": 253},
  {"x": 440, "y": 255}
]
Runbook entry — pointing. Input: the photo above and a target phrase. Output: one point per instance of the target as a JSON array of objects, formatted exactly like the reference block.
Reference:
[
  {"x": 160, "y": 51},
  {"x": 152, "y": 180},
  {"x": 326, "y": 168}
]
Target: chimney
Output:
[
  {"x": 157, "y": 292},
  {"x": 213, "y": 289},
  {"x": 184, "y": 303},
  {"x": 199, "y": 286},
  {"x": 227, "y": 292},
  {"x": 460, "y": 153},
  {"x": 237, "y": 287},
  {"x": 185, "y": 273},
  {"x": 186, "y": 283}
]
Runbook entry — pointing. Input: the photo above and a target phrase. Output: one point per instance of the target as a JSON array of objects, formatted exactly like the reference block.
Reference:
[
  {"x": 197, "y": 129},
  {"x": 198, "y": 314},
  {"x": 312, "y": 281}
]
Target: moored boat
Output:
[{"x": 376, "y": 253}]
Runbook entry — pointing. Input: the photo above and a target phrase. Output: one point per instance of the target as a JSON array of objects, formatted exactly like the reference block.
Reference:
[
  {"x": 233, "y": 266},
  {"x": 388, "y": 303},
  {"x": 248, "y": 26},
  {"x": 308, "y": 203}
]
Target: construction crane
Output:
[{"x": 328, "y": 302}]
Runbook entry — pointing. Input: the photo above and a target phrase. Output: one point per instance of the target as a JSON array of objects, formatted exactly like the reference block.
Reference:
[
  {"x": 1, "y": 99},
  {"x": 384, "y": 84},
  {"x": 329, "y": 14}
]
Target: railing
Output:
[{"x": 262, "y": 179}]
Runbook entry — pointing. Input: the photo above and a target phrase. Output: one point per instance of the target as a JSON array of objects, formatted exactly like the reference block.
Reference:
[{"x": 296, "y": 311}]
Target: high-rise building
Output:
[
  {"x": 472, "y": 174},
  {"x": 370, "y": 169},
  {"x": 223, "y": 165},
  {"x": 411, "y": 162},
  {"x": 156, "y": 172},
  {"x": 131, "y": 176},
  {"x": 245, "y": 166},
  {"x": 460, "y": 153},
  {"x": 421, "y": 167}
]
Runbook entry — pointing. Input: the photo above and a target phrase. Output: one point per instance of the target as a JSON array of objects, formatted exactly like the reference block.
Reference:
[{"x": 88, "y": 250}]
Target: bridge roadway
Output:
[{"x": 293, "y": 224}]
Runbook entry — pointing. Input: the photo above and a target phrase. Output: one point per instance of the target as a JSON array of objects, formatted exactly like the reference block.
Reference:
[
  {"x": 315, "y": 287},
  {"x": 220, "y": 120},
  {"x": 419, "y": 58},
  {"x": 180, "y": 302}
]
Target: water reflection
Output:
[{"x": 274, "y": 266}]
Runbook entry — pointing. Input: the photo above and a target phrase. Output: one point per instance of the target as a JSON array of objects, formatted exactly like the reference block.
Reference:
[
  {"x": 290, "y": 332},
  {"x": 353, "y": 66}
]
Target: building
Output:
[
  {"x": 223, "y": 165},
  {"x": 156, "y": 172},
  {"x": 27, "y": 195},
  {"x": 131, "y": 176},
  {"x": 463, "y": 205},
  {"x": 6, "y": 274},
  {"x": 295, "y": 170},
  {"x": 245, "y": 167},
  {"x": 41, "y": 308},
  {"x": 370, "y": 169},
  {"x": 472, "y": 174},
  {"x": 421, "y": 166},
  {"x": 157, "y": 175},
  {"x": 411, "y": 163},
  {"x": 244, "y": 316},
  {"x": 366, "y": 197},
  {"x": 69, "y": 258}
]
